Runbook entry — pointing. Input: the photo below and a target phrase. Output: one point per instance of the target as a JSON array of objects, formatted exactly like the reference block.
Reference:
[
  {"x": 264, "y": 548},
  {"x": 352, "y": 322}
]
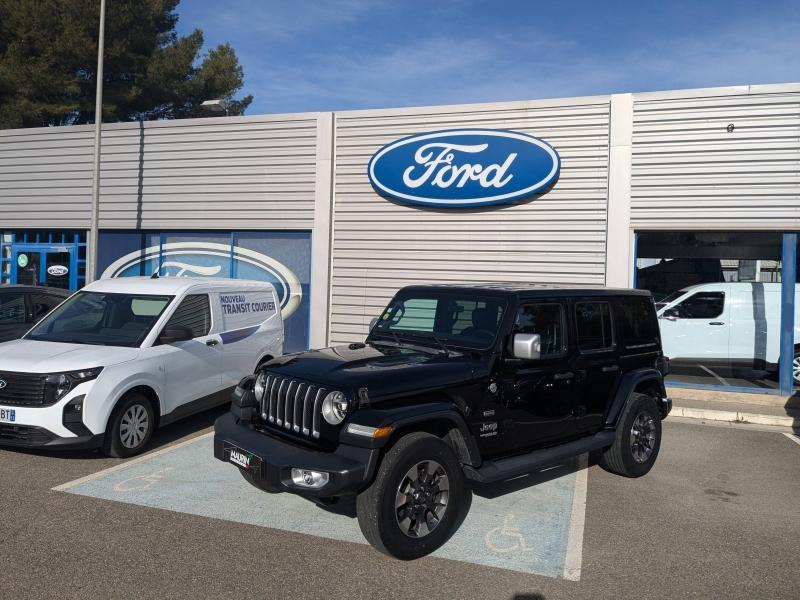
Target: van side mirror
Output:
[
  {"x": 527, "y": 346},
  {"x": 671, "y": 314},
  {"x": 175, "y": 333},
  {"x": 373, "y": 321}
]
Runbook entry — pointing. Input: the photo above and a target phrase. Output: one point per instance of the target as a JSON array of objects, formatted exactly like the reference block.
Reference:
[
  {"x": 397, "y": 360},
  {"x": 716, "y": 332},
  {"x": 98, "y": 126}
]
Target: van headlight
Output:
[
  {"x": 57, "y": 385},
  {"x": 334, "y": 407}
]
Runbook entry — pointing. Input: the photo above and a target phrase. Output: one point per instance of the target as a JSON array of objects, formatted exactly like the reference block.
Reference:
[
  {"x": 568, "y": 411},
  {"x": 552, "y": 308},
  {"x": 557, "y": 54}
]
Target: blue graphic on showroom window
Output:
[
  {"x": 464, "y": 168},
  {"x": 282, "y": 258}
]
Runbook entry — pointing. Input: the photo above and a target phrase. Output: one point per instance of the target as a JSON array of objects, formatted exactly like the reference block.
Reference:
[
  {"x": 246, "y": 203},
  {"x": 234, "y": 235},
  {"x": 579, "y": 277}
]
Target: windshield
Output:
[
  {"x": 441, "y": 319},
  {"x": 101, "y": 319}
]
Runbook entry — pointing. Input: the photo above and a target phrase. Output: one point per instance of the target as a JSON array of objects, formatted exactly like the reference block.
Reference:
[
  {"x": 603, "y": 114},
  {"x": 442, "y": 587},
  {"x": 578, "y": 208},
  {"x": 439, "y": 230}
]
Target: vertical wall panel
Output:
[
  {"x": 380, "y": 245},
  {"x": 220, "y": 173},
  {"x": 690, "y": 172}
]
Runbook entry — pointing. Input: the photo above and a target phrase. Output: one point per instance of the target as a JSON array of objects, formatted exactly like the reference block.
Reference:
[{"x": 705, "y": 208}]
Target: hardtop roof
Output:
[{"x": 528, "y": 290}]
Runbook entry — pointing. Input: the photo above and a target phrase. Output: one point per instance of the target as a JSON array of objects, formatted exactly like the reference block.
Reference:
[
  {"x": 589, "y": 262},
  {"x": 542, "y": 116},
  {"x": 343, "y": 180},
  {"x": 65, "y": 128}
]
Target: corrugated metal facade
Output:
[
  {"x": 689, "y": 172},
  {"x": 221, "y": 173},
  {"x": 379, "y": 245}
]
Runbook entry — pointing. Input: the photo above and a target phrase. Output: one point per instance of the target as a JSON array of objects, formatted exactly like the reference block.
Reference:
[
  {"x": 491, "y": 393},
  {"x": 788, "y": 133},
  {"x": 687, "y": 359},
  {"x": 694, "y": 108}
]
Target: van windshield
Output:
[{"x": 101, "y": 319}]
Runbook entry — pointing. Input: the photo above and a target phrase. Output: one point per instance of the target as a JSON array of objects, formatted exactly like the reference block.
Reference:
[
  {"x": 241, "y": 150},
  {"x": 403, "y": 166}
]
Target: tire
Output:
[
  {"x": 796, "y": 367},
  {"x": 431, "y": 463},
  {"x": 637, "y": 441},
  {"x": 130, "y": 426},
  {"x": 258, "y": 483}
]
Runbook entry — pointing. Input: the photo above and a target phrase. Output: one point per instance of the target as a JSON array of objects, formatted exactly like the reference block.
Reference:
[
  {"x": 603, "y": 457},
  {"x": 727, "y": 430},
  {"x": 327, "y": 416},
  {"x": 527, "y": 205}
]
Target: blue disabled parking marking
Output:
[{"x": 533, "y": 524}]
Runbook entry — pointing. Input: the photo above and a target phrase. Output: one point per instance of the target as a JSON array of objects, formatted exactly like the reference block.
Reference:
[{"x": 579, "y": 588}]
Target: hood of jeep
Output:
[{"x": 386, "y": 372}]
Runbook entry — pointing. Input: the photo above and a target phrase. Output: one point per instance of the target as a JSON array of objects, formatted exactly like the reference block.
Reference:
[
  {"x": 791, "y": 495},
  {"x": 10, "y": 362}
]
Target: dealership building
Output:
[{"x": 658, "y": 190}]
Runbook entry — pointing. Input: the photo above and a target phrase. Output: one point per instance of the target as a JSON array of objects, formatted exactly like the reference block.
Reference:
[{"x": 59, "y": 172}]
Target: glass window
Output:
[
  {"x": 546, "y": 319},
  {"x": 441, "y": 318},
  {"x": 12, "y": 308},
  {"x": 703, "y": 305},
  {"x": 595, "y": 332},
  {"x": 43, "y": 304},
  {"x": 194, "y": 312},
  {"x": 638, "y": 320},
  {"x": 101, "y": 319}
]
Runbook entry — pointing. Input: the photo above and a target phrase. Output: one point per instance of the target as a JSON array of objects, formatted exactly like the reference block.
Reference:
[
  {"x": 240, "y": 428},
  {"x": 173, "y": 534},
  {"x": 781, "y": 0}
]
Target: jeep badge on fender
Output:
[{"x": 452, "y": 383}]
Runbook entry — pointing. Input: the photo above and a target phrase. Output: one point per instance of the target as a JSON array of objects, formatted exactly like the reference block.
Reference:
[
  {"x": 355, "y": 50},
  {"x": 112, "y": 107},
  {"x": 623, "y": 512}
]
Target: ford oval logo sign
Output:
[
  {"x": 2, "y": 383},
  {"x": 464, "y": 168},
  {"x": 57, "y": 270},
  {"x": 209, "y": 259}
]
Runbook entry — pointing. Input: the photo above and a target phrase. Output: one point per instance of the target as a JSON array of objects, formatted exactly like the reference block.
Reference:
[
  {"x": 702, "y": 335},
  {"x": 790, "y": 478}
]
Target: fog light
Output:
[{"x": 309, "y": 479}]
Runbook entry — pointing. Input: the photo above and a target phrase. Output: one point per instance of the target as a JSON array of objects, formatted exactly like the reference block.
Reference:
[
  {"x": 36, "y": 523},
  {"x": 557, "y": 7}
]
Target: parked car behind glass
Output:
[{"x": 21, "y": 306}]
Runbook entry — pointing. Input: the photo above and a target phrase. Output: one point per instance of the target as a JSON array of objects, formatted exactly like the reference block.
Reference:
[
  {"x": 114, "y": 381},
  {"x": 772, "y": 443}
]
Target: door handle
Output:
[
  {"x": 716, "y": 323},
  {"x": 564, "y": 376},
  {"x": 212, "y": 343},
  {"x": 611, "y": 369}
]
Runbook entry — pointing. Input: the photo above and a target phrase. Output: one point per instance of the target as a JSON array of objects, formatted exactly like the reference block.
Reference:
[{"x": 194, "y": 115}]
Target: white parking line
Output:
[
  {"x": 70, "y": 484},
  {"x": 722, "y": 380},
  {"x": 793, "y": 437},
  {"x": 574, "y": 555}
]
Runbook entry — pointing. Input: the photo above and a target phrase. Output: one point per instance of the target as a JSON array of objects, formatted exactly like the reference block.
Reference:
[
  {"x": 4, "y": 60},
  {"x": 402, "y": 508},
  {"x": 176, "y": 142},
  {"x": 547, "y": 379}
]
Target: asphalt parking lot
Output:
[{"x": 717, "y": 517}]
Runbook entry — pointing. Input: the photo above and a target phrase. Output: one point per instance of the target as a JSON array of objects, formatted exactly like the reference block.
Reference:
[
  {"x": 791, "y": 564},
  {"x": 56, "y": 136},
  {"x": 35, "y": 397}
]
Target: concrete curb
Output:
[{"x": 734, "y": 416}]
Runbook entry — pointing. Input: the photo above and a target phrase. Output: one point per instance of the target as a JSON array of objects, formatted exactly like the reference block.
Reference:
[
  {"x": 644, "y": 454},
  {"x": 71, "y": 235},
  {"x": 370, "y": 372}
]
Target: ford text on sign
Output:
[{"x": 464, "y": 167}]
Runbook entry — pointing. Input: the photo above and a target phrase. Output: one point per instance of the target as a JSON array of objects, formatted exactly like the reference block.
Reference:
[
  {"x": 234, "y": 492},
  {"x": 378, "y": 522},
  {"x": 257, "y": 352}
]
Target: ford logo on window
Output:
[
  {"x": 209, "y": 259},
  {"x": 57, "y": 270},
  {"x": 464, "y": 168}
]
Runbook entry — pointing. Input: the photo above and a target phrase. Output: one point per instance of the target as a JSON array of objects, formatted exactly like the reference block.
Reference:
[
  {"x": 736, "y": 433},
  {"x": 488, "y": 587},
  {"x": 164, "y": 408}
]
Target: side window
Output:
[
  {"x": 194, "y": 312},
  {"x": 12, "y": 308},
  {"x": 418, "y": 314},
  {"x": 595, "y": 331},
  {"x": 546, "y": 319},
  {"x": 43, "y": 304},
  {"x": 639, "y": 322},
  {"x": 702, "y": 305}
]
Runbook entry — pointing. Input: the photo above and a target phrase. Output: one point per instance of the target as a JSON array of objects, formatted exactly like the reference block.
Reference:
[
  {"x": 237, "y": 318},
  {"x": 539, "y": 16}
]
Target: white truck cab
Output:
[
  {"x": 123, "y": 356},
  {"x": 727, "y": 324}
]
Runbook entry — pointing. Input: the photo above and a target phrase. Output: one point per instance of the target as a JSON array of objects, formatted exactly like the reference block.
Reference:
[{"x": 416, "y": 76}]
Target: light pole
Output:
[{"x": 93, "y": 241}]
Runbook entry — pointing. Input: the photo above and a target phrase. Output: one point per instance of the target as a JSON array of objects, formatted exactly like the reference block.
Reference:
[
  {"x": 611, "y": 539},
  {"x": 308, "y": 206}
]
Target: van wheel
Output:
[
  {"x": 638, "y": 439},
  {"x": 258, "y": 483},
  {"x": 413, "y": 506},
  {"x": 130, "y": 427}
]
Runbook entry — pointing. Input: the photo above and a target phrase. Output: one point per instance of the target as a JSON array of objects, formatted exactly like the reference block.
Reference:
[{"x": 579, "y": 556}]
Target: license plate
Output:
[
  {"x": 243, "y": 458},
  {"x": 8, "y": 415}
]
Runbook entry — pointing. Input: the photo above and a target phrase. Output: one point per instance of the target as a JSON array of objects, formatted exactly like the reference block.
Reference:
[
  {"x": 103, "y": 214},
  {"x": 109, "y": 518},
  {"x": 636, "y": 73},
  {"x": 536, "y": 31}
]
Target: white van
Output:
[
  {"x": 727, "y": 324},
  {"x": 123, "y": 356}
]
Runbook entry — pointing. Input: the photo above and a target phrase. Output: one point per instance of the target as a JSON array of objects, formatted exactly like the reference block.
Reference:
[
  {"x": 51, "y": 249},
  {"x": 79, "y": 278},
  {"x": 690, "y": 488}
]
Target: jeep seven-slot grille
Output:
[
  {"x": 22, "y": 389},
  {"x": 292, "y": 404}
]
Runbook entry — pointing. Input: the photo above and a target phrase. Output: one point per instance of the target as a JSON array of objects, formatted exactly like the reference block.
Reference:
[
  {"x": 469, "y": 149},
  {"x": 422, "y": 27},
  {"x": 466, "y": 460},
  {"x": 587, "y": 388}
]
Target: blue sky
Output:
[{"x": 342, "y": 54}]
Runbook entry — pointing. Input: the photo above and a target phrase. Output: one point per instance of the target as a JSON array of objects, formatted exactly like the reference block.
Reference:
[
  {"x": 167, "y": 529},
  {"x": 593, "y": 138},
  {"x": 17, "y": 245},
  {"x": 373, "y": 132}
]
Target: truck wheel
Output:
[
  {"x": 129, "y": 427},
  {"x": 258, "y": 483},
  {"x": 412, "y": 507},
  {"x": 637, "y": 441},
  {"x": 796, "y": 366}
]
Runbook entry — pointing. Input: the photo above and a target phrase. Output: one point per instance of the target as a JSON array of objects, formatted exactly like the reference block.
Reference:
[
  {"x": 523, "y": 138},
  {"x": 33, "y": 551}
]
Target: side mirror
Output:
[
  {"x": 175, "y": 333},
  {"x": 527, "y": 346},
  {"x": 372, "y": 323},
  {"x": 671, "y": 314}
]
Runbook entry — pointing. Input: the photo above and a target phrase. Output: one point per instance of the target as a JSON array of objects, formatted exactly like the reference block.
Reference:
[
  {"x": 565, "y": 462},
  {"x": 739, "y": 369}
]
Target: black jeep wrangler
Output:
[{"x": 453, "y": 383}]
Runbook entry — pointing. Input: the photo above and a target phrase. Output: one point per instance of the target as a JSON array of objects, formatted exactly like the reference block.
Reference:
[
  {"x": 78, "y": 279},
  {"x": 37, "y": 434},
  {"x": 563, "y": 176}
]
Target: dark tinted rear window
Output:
[{"x": 638, "y": 322}]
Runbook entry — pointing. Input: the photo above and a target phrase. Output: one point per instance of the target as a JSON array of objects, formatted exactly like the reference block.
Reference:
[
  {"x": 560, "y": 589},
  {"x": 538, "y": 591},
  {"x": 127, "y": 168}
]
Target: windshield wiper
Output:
[{"x": 439, "y": 341}]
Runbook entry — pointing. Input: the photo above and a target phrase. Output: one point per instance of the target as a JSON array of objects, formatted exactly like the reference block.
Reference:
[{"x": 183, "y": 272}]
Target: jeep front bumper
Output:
[{"x": 349, "y": 468}]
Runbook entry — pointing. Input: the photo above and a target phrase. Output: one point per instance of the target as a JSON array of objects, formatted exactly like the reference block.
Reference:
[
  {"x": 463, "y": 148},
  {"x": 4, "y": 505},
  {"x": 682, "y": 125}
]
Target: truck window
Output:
[
  {"x": 639, "y": 322},
  {"x": 419, "y": 315},
  {"x": 702, "y": 305},
  {"x": 546, "y": 319},
  {"x": 595, "y": 331},
  {"x": 194, "y": 312}
]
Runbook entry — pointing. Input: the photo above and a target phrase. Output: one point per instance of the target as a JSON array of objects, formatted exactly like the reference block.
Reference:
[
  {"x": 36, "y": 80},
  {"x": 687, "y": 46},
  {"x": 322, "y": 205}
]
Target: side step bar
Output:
[{"x": 505, "y": 468}]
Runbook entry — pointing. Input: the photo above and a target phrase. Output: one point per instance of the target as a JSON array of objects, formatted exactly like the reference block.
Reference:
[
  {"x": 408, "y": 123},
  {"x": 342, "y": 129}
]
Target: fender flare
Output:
[
  {"x": 626, "y": 387},
  {"x": 407, "y": 416}
]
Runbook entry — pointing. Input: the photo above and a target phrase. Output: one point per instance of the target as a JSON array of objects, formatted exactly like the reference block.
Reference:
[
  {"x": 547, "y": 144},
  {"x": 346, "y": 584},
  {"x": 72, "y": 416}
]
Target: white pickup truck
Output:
[{"x": 727, "y": 324}]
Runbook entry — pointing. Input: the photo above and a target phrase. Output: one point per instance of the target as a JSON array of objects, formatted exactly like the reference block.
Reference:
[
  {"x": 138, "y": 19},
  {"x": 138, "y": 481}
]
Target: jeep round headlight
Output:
[
  {"x": 334, "y": 408},
  {"x": 260, "y": 386}
]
